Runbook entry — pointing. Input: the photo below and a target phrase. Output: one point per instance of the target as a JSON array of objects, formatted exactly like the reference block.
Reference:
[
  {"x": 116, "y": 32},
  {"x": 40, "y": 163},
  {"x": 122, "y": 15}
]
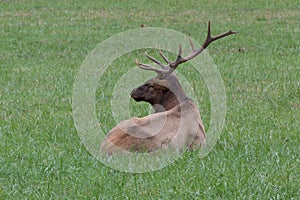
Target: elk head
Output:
[{"x": 164, "y": 91}]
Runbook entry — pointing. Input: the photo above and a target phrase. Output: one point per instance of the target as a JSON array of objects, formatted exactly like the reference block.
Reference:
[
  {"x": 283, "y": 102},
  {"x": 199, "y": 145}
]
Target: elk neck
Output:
[{"x": 170, "y": 100}]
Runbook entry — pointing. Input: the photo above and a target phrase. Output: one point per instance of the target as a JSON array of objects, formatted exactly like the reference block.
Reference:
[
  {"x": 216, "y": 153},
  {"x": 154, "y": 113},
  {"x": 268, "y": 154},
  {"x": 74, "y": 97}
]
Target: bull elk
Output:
[{"x": 176, "y": 122}]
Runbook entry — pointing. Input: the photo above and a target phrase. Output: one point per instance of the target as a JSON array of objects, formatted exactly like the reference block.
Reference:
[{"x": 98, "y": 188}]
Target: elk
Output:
[{"x": 176, "y": 122}]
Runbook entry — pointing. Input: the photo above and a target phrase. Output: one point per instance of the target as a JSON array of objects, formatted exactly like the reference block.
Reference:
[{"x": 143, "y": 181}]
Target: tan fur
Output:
[{"x": 181, "y": 127}]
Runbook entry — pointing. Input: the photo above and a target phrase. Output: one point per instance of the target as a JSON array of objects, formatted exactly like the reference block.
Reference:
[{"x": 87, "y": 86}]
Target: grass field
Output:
[{"x": 42, "y": 46}]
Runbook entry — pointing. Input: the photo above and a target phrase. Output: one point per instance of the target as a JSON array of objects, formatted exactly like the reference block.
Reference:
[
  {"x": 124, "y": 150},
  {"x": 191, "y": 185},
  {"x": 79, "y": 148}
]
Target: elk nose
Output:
[{"x": 132, "y": 93}]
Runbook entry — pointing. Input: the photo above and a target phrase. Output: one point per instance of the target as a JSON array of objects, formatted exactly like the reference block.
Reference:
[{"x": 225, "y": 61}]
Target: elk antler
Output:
[{"x": 171, "y": 66}]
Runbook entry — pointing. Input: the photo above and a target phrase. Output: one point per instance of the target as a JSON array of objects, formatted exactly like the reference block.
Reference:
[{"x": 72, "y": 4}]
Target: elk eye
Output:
[
  {"x": 149, "y": 85},
  {"x": 151, "y": 89}
]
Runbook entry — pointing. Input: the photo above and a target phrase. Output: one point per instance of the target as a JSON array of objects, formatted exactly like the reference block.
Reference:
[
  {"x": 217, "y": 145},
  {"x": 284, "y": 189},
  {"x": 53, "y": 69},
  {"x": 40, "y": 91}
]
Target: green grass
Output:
[{"x": 42, "y": 46}]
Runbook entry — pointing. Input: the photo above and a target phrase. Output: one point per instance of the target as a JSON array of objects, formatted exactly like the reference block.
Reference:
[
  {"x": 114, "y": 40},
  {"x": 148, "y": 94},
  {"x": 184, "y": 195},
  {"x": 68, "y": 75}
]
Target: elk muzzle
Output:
[{"x": 135, "y": 95}]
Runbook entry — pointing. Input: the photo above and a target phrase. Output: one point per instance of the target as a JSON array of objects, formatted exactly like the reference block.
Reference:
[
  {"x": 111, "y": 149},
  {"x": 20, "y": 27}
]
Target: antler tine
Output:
[
  {"x": 164, "y": 57},
  {"x": 192, "y": 45},
  {"x": 148, "y": 67},
  {"x": 180, "y": 51},
  {"x": 179, "y": 59},
  {"x": 154, "y": 60}
]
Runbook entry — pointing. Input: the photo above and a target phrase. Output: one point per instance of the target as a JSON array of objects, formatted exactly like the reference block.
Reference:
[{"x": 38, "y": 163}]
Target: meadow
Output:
[{"x": 42, "y": 46}]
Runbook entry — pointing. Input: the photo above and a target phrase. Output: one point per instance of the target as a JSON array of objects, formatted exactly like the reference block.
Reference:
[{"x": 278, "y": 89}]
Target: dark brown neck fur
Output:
[{"x": 168, "y": 101}]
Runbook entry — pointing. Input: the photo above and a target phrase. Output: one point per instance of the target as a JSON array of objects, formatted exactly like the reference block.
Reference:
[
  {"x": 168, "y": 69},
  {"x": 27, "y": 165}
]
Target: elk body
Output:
[{"x": 176, "y": 123}]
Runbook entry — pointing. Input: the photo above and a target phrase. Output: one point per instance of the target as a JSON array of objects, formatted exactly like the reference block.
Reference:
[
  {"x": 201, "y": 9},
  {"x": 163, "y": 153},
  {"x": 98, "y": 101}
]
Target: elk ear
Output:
[{"x": 160, "y": 87}]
